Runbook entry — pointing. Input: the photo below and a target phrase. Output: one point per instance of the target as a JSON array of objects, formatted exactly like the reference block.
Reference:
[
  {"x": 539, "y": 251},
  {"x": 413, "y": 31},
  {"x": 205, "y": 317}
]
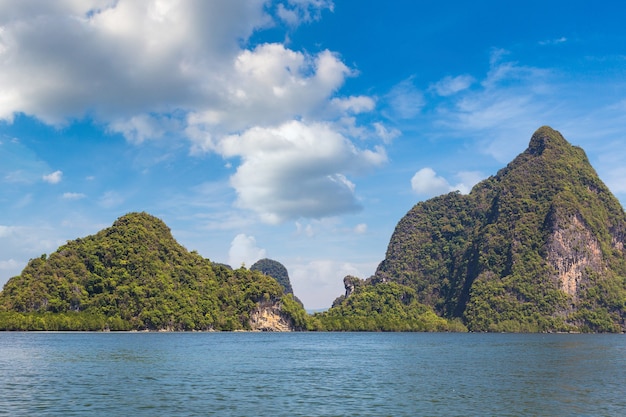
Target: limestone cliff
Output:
[
  {"x": 268, "y": 316},
  {"x": 537, "y": 247}
]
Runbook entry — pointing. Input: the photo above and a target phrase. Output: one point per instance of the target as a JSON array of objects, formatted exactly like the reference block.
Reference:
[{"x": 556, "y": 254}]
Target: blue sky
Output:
[{"x": 299, "y": 130}]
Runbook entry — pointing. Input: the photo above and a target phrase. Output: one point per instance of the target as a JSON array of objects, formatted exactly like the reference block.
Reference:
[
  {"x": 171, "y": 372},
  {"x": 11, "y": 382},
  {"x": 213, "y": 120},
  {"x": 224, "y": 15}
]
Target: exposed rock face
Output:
[
  {"x": 350, "y": 283},
  {"x": 268, "y": 317},
  {"x": 537, "y": 247},
  {"x": 574, "y": 253}
]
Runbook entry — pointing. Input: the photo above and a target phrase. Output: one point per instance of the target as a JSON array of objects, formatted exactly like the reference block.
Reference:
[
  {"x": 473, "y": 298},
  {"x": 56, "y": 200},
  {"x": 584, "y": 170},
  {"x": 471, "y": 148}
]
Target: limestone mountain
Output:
[
  {"x": 276, "y": 270},
  {"x": 537, "y": 247},
  {"x": 134, "y": 275}
]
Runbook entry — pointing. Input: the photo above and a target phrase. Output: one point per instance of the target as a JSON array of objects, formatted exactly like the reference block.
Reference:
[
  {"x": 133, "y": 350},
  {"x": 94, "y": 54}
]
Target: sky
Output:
[{"x": 297, "y": 130}]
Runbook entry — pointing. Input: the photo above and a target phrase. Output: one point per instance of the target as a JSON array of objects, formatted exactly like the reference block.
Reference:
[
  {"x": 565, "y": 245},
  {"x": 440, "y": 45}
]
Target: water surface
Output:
[{"x": 311, "y": 374}]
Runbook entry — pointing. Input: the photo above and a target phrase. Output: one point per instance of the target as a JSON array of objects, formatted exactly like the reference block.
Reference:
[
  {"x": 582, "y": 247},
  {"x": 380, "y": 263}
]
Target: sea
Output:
[{"x": 311, "y": 374}]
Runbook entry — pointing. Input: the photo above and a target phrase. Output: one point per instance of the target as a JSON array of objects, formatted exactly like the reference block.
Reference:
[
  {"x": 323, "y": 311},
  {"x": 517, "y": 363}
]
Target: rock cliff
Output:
[
  {"x": 537, "y": 247},
  {"x": 269, "y": 316}
]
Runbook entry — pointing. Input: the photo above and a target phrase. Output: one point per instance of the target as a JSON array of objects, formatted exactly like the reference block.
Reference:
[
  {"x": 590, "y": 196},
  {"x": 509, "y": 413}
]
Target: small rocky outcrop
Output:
[{"x": 351, "y": 283}]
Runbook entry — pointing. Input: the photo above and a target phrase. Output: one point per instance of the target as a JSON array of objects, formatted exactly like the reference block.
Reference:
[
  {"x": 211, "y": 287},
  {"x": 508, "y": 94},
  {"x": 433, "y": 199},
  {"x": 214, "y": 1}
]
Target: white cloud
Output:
[
  {"x": 117, "y": 58},
  {"x": 143, "y": 127},
  {"x": 452, "y": 85},
  {"x": 54, "y": 177},
  {"x": 426, "y": 182},
  {"x": 272, "y": 84},
  {"x": 318, "y": 282},
  {"x": 73, "y": 196},
  {"x": 467, "y": 180},
  {"x": 156, "y": 68},
  {"x": 354, "y": 104},
  {"x": 360, "y": 228},
  {"x": 405, "y": 100},
  {"x": 297, "y": 170},
  {"x": 243, "y": 250},
  {"x": 295, "y": 12},
  {"x": 387, "y": 135}
]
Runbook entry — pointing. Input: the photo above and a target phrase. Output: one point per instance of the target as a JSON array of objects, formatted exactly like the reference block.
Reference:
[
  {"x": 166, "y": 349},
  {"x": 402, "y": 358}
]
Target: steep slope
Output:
[
  {"x": 276, "y": 270},
  {"x": 538, "y": 247},
  {"x": 134, "y": 275}
]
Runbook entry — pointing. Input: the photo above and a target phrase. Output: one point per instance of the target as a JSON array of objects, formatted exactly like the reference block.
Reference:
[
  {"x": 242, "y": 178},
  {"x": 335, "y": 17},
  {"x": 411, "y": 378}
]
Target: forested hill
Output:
[
  {"x": 134, "y": 275},
  {"x": 276, "y": 270},
  {"x": 537, "y": 247}
]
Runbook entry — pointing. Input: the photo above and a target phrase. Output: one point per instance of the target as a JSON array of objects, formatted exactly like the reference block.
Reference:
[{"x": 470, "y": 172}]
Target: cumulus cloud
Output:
[
  {"x": 297, "y": 170},
  {"x": 118, "y": 58},
  {"x": 269, "y": 85},
  {"x": 244, "y": 250},
  {"x": 160, "y": 69},
  {"x": 317, "y": 283},
  {"x": 53, "y": 178},
  {"x": 121, "y": 61},
  {"x": 426, "y": 182}
]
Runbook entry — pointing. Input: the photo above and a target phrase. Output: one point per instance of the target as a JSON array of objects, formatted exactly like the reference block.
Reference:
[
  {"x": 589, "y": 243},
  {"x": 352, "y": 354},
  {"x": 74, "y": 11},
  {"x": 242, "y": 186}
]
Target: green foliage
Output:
[
  {"x": 71, "y": 321},
  {"x": 293, "y": 308},
  {"x": 275, "y": 270},
  {"x": 383, "y": 307},
  {"x": 484, "y": 257},
  {"x": 133, "y": 275}
]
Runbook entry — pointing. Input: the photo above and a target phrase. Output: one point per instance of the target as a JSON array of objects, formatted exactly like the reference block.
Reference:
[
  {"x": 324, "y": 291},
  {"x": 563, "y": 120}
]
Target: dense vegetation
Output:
[
  {"x": 383, "y": 307},
  {"x": 133, "y": 275},
  {"x": 537, "y": 247},
  {"x": 499, "y": 257},
  {"x": 276, "y": 270}
]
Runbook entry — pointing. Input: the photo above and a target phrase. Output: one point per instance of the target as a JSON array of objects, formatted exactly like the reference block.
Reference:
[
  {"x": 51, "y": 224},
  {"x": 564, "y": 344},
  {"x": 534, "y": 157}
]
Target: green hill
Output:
[
  {"x": 276, "y": 270},
  {"x": 537, "y": 247},
  {"x": 134, "y": 275}
]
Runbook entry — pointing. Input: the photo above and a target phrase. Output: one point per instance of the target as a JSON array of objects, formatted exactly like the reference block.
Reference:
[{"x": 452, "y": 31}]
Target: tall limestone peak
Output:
[
  {"x": 546, "y": 138},
  {"x": 537, "y": 247}
]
